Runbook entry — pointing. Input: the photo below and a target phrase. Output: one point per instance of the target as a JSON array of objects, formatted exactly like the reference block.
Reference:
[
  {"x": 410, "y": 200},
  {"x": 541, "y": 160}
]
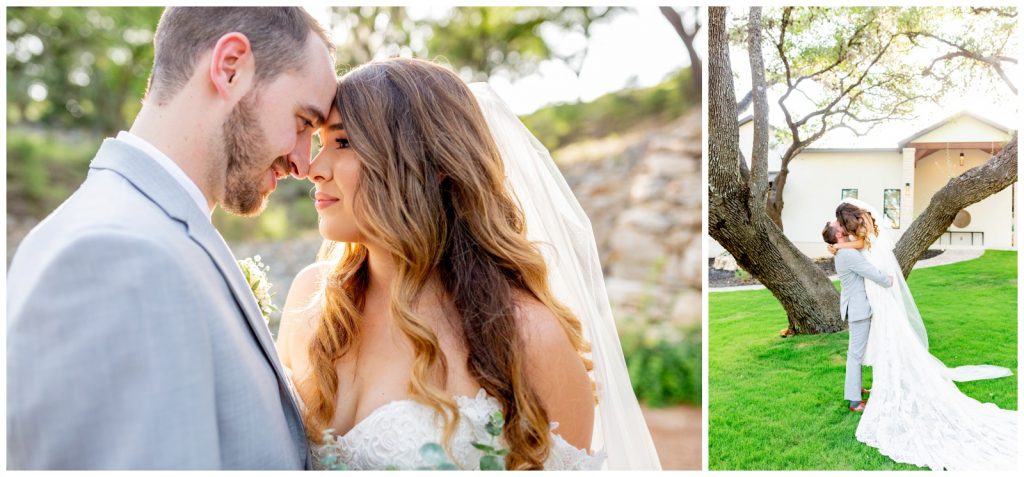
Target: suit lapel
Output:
[{"x": 156, "y": 184}]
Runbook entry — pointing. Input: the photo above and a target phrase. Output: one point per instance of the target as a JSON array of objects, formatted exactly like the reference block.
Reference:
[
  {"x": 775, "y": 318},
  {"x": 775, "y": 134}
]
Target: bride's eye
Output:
[{"x": 343, "y": 143}]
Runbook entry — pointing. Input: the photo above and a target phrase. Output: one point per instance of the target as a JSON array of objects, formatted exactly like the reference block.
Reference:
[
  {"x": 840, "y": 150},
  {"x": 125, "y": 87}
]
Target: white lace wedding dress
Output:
[
  {"x": 915, "y": 413},
  {"x": 392, "y": 435}
]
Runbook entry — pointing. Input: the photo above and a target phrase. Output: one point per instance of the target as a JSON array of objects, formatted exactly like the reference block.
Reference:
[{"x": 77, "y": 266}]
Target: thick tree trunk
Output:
[
  {"x": 961, "y": 191},
  {"x": 809, "y": 298},
  {"x": 737, "y": 218}
]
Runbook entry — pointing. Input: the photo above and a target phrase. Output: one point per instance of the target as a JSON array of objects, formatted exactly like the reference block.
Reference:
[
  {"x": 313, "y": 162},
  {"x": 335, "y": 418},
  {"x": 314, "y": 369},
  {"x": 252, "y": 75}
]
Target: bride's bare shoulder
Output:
[
  {"x": 306, "y": 286},
  {"x": 300, "y": 312},
  {"x": 556, "y": 371}
]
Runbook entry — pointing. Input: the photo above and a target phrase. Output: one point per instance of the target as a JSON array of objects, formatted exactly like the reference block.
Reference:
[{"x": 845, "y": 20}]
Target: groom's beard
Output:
[{"x": 243, "y": 144}]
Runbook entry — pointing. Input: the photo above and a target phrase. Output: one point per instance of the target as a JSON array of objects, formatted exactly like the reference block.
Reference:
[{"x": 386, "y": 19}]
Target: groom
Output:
[
  {"x": 133, "y": 340},
  {"x": 853, "y": 268}
]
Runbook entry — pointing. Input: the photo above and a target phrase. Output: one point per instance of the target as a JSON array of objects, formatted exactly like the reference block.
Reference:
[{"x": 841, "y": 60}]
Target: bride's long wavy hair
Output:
[
  {"x": 857, "y": 222},
  {"x": 432, "y": 193}
]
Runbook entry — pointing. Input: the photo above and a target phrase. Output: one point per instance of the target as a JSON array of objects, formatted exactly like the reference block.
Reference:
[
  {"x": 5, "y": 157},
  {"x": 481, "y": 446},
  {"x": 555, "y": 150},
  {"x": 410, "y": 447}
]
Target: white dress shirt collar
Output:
[{"x": 170, "y": 166}]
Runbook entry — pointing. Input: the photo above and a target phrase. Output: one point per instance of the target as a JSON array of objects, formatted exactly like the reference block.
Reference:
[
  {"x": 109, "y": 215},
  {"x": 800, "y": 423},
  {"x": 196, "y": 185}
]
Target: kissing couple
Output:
[
  {"x": 459, "y": 278},
  {"x": 916, "y": 413}
]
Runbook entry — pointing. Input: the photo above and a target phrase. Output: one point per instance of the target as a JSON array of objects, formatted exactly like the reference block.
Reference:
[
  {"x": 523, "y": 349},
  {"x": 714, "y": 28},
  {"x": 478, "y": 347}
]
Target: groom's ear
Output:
[{"x": 232, "y": 66}]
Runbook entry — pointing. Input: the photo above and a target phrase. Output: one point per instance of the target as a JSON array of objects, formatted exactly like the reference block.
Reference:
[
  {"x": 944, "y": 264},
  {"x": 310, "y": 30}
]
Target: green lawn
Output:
[{"x": 777, "y": 403}]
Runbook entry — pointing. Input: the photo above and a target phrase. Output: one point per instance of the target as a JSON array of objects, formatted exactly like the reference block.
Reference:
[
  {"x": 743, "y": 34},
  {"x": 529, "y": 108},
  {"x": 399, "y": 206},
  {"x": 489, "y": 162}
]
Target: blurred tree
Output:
[
  {"x": 81, "y": 67},
  {"x": 477, "y": 41},
  {"x": 687, "y": 25},
  {"x": 365, "y": 33}
]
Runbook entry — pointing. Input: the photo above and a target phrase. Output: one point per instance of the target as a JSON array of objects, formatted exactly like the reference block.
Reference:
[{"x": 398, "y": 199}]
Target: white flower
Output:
[{"x": 255, "y": 272}]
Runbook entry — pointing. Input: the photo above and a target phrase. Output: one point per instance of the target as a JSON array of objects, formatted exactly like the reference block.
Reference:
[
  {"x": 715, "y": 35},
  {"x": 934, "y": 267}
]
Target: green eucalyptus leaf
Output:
[
  {"x": 495, "y": 424},
  {"x": 484, "y": 447},
  {"x": 490, "y": 462},
  {"x": 432, "y": 452}
]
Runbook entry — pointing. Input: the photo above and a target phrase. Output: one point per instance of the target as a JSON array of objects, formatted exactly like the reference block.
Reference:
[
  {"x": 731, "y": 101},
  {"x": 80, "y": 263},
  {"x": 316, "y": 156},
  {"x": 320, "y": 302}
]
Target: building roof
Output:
[
  {"x": 850, "y": 149},
  {"x": 939, "y": 124}
]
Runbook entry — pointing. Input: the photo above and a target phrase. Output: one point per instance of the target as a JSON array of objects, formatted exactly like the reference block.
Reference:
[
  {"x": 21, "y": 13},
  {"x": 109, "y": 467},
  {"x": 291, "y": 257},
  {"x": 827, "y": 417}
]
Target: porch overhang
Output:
[{"x": 922, "y": 149}]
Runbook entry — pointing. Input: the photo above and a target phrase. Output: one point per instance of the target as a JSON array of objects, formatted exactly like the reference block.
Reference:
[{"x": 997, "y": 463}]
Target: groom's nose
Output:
[{"x": 298, "y": 159}]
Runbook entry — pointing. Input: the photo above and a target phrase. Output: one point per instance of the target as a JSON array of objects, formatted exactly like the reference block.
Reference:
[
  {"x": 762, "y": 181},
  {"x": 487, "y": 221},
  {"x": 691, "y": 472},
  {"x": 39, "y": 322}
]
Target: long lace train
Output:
[{"x": 916, "y": 414}]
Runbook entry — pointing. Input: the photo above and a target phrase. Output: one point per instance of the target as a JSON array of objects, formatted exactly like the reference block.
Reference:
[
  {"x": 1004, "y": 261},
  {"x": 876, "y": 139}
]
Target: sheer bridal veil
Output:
[{"x": 555, "y": 220}]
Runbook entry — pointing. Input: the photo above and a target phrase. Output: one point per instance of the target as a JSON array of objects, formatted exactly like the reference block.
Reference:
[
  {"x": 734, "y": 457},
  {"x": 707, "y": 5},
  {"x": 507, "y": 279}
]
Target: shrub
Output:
[{"x": 664, "y": 362}]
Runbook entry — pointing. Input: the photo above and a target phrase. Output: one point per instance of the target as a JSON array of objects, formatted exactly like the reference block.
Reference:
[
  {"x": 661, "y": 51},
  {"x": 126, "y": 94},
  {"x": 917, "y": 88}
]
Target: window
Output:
[
  {"x": 891, "y": 205},
  {"x": 849, "y": 194}
]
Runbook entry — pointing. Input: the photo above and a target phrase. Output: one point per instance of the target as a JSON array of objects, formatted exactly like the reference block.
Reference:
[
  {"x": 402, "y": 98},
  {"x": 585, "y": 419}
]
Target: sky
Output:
[
  {"x": 640, "y": 44},
  {"x": 999, "y": 106}
]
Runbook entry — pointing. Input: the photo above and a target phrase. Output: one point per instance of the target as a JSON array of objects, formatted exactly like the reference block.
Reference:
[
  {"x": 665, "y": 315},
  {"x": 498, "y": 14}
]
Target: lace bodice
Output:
[{"x": 391, "y": 437}]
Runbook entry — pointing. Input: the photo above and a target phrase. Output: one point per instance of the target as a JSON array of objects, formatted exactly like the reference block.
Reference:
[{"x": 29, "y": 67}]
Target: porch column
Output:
[{"x": 907, "y": 186}]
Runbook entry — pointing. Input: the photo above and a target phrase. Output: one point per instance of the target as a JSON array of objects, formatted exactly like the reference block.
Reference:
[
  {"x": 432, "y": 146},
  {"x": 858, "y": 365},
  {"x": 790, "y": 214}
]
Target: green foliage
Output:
[
  {"x": 558, "y": 125},
  {"x": 477, "y": 42},
  {"x": 90, "y": 63},
  {"x": 494, "y": 456},
  {"x": 44, "y": 168},
  {"x": 436, "y": 457},
  {"x": 863, "y": 65},
  {"x": 858, "y": 54},
  {"x": 776, "y": 404},
  {"x": 986, "y": 32},
  {"x": 488, "y": 39},
  {"x": 664, "y": 362}
]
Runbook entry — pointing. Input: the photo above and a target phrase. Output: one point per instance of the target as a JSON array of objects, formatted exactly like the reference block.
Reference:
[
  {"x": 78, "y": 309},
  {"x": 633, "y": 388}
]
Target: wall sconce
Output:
[
  {"x": 908, "y": 186},
  {"x": 961, "y": 159}
]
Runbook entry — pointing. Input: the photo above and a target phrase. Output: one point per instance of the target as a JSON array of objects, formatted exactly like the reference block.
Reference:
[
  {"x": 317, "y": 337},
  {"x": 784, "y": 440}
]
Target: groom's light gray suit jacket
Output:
[
  {"x": 853, "y": 268},
  {"x": 133, "y": 340}
]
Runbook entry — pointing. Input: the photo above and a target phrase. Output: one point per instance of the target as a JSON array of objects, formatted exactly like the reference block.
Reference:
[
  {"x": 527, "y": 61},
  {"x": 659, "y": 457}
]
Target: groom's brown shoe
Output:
[{"x": 859, "y": 408}]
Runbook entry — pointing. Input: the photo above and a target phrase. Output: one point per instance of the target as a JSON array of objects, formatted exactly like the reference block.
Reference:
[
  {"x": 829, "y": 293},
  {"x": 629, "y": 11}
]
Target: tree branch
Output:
[
  {"x": 968, "y": 188},
  {"x": 962, "y": 51},
  {"x": 759, "y": 155}
]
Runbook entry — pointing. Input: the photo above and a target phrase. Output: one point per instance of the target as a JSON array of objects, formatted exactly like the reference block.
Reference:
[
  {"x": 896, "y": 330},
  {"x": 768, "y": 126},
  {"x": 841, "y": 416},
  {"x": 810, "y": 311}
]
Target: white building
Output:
[{"x": 899, "y": 181}]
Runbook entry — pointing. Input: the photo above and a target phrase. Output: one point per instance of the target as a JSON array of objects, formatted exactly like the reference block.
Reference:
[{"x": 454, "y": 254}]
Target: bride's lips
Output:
[{"x": 324, "y": 201}]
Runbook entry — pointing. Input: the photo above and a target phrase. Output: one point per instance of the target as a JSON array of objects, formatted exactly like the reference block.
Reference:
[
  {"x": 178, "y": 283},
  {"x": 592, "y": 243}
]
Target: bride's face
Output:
[{"x": 335, "y": 170}]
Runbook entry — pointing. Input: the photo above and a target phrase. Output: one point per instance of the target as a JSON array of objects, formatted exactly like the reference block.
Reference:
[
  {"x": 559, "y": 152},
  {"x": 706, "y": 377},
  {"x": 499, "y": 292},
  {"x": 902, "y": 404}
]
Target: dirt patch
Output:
[{"x": 677, "y": 434}]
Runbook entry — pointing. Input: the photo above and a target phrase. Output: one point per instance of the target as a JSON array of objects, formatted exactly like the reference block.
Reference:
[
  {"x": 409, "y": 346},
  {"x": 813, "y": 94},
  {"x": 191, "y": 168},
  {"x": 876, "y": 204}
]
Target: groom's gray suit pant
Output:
[{"x": 855, "y": 356}]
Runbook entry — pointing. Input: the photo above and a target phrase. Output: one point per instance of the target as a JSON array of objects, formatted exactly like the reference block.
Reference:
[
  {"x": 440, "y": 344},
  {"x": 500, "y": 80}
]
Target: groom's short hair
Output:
[
  {"x": 277, "y": 36},
  {"x": 829, "y": 234}
]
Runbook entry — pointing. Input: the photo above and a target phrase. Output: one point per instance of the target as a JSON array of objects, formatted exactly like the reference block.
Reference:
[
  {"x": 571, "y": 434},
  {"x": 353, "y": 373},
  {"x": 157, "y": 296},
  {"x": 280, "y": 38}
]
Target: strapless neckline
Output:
[
  {"x": 391, "y": 436},
  {"x": 481, "y": 395}
]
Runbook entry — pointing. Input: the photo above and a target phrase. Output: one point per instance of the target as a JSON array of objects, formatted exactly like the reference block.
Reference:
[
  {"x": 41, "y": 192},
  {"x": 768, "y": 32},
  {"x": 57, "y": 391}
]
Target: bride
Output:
[
  {"x": 458, "y": 278},
  {"x": 916, "y": 413}
]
